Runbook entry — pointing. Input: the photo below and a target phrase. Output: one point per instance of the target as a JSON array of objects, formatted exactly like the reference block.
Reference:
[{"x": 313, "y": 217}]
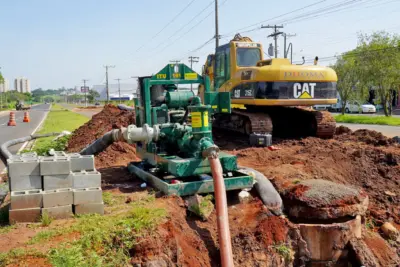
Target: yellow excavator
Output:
[{"x": 270, "y": 95}]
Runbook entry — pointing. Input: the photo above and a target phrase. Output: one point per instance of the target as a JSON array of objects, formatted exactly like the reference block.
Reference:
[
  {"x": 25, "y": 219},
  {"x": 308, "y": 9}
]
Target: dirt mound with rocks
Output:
[
  {"x": 350, "y": 159},
  {"x": 118, "y": 154}
]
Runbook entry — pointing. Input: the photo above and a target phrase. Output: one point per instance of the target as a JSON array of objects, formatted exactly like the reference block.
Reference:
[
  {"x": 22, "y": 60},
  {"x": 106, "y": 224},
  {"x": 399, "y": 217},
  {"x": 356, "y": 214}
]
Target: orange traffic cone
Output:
[
  {"x": 26, "y": 117},
  {"x": 12, "y": 122}
]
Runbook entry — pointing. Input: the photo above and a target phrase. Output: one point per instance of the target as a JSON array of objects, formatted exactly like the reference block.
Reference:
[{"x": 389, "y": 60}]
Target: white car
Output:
[{"x": 356, "y": 107}]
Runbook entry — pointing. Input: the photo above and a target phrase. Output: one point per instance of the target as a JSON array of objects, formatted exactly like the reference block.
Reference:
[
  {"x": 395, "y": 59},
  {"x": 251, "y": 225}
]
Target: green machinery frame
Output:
[{"x": 193, "y": 172}]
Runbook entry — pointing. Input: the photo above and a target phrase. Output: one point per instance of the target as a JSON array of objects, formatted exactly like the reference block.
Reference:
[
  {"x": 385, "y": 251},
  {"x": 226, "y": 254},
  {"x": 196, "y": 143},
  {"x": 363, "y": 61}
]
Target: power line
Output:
[
  {"x": 276, "y": 17},
  {"x": 166, "y": 25},
  {"x": 275, "y": 35}
]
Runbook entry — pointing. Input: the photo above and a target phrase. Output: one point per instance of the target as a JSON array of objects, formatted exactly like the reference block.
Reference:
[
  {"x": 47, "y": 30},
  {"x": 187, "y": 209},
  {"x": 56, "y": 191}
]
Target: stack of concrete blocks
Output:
[{"x": 58, "y": 185}]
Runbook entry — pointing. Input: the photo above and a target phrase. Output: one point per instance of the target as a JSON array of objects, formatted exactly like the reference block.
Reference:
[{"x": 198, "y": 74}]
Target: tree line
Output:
[{"x": 374, "y": 65}]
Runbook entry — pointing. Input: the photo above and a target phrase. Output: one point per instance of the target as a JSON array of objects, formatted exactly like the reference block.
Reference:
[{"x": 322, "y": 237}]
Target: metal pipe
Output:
[{"x": 224, "y": 234}]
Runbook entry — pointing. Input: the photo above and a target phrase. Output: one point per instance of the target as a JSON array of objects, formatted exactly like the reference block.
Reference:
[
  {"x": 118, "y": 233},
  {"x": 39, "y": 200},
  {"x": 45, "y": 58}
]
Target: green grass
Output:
[
  {"x": 381, "y": 120},
  {"x": 45, "y": 219},
  {"x": 58, "y": 120},
  {"x": 103, "y": 240},
  {"x": 13, "y": 256},
  {"x": 285, "y": 251}
]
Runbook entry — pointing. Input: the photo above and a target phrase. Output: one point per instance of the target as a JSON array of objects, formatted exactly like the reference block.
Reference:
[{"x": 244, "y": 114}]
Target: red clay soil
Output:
[
  {"x": 350, "y": 158},
  {"x": 109, "y": 118},
  {"x": 184, "y": 240}
]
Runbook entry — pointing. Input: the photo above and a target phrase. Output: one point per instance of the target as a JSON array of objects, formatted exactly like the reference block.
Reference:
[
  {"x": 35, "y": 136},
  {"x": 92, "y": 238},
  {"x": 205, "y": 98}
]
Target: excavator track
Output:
[
  {"x": 326, "y": 124},
  {"x": 290, "y": 122}
]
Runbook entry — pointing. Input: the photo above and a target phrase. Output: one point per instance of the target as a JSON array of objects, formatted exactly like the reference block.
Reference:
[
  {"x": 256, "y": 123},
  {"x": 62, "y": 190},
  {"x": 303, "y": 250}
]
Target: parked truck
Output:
[{"x": 21, "y": 106}]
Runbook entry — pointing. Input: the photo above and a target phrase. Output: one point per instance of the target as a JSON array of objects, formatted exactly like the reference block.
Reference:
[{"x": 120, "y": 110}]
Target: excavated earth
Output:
[{"x": 366, "y": 161}]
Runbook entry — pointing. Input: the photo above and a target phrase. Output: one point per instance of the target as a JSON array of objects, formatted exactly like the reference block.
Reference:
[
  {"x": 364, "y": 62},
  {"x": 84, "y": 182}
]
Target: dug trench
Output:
[{"x": 362, "y": 159}]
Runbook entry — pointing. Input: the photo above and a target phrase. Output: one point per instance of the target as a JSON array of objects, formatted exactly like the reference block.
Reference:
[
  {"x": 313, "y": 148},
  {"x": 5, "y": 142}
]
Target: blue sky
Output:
[{"x": 58, "y": 43}]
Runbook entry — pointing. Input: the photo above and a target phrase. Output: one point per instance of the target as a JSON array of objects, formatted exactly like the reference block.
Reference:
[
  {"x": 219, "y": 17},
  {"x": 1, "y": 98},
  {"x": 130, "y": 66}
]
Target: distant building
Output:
[
  {"x": 4, "y": 87},
  {"x": 22, "y": 85},
  {"x": 127, "y": 91}
]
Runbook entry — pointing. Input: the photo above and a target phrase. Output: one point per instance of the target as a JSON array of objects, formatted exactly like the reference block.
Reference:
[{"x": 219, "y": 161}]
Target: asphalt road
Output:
[
  {"x": 22, "y": 129},
  {"x": 389, "y": 131}
]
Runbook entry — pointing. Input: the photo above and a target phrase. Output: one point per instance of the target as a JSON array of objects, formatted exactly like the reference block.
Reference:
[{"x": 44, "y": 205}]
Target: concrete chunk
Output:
[
  {"x": 81, "y": 162},
  {"x": 60, "y": 212},
  {"x": 57, "y": 181},
  {"x": 29, "y": 155},
  {"x": 89, "y": 208},
  {"x": 86, "y": 179},
  {"x": 88, "y": 195},
  {"x": 57, "y": 197},
  {"x": 26, "y": 199},
  {"x": 19, "y": 183},
  {"x": 55, "y": 165},
  {"x": 59, "y": 154},
  {"x": 24, "y": 215},
  {"x": 19, "y": 166}
]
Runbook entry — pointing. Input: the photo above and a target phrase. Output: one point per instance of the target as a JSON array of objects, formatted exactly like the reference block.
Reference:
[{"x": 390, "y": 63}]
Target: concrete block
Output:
[
  {"x": 29, "y": 155},
  {"x": 19, "y": 166},
  {"x": 86, "y": 179},
  {"x": 88, "y": 195},
  {"x": 26, "y": 199},
  {"x": 59, "y": 154},
  {"x": 81, "y": 162},
  {"x": 57, "y": 197},
  {"x": 57, "y": 181},
  {"x": 26, "y": 182},
  {"x": 60, "y": 212},
  {"x": 55, "y": 165},
  {"x": 89, "y": 208},
  {"x": 24, "y": 215}
]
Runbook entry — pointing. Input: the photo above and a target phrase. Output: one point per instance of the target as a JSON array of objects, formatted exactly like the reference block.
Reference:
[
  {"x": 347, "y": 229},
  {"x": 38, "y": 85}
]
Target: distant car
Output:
[
  {"x": 356, "y": 107},
  {"x": 97, "y": 104}
]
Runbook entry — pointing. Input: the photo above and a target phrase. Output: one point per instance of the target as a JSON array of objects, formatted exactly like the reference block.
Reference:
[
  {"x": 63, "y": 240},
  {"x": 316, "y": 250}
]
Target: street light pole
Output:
[{"x": 84, "y": 88}]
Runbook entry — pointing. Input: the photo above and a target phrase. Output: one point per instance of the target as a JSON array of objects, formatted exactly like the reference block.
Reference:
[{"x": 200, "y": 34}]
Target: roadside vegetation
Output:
[
  {"x": 58, "y": 120},
  {"x": 93, "y": 240},
  {"x": 381, "y": 120}
]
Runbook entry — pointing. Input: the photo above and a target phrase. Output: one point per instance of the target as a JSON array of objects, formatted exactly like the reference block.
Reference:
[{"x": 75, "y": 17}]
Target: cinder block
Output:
[
  {"x": 60, "y": 212},
  {"x": 86, "y": 179},
  {"x": 57, "y": 197},
  {"x": 19, "y": 183},
  {"x": 59, "y": 154},
  {"x": 55, "y": 165},
  {"x": 19, "y": 166},
  {"x": 29, "y": 155},
  {"x": 81, "y": 162},
  {"x": 88, "y": 195},
  {"x": 57, "y": 181},
  {"x": 26, "y": 199},
  {"x": 24, "y": 215},
  {"x": 89, "y": 208}
]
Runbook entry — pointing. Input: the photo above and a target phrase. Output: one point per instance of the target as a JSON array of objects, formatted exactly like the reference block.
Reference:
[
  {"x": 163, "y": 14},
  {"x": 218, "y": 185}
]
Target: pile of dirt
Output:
[
  {"x": 109, "y": 118},
  {"x": 366, "y": 136},
  {"x": 348, "y": 159},
  {"x": 118, "y": 154},
  {"x": 185, "y": 240}
]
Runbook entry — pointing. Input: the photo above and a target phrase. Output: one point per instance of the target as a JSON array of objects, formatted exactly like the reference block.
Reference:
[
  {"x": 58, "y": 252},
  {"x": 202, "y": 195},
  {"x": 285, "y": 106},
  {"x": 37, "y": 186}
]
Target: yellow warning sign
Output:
[
  {"x": 205, "y": 118},
  {"x": 191, "y": 76},
  {"x": 305, "y": 95},
  {"x": 196, "y": 119}
]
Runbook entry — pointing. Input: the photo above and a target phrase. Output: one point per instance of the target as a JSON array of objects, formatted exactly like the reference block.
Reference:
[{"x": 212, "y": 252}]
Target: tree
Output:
[
  {"x": 348, "y": 78},
  {"x": 378, "y": 60},
  {"x": 1, "y": 78},
  {"x": 92, "y": 95}
]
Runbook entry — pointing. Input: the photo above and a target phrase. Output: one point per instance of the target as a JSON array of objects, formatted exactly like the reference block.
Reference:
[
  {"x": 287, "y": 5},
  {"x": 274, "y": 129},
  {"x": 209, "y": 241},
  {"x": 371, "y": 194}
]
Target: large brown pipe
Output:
[{"x": 224, "y": 234}]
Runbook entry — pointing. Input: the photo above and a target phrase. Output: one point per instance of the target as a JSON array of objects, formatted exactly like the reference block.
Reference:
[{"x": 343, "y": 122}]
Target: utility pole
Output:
[
  {"x": 275, "y": 35},
  {"x": 119, "y": 90},
  {"x": 107, "y": 89},
  {"x": 287, "y": 35},
  {"x": 216, "y": 25},
  {"x": 84, "y": 88},
  {"x": 192, "y": 60}
]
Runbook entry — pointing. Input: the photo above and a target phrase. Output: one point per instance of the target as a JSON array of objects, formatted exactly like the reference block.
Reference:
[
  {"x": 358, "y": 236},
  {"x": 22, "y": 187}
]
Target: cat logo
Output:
[{"x": 303, "y": 91}]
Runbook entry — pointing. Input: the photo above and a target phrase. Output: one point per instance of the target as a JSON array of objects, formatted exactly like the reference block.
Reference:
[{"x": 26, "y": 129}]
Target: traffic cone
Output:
[
  {"x": 26, "y": 117},
  {"x": 12, "y": 122}
]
